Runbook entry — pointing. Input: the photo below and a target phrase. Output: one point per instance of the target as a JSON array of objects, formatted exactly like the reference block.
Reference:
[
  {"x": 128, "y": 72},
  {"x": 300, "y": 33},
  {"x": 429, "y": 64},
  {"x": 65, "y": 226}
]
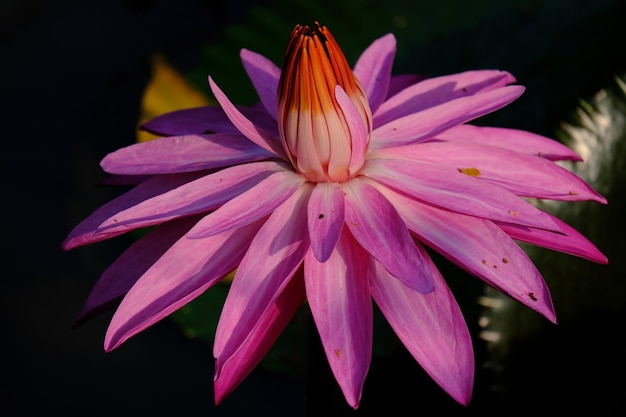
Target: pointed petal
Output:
[
  {"x": 376, "y": 225},
  {"x": 183, "y": 154},
  {"x": 198, "y": 196},
  {"x": 176, "y": 279},
  {"x": 432, "y": 92},
  {"x": 339, "y": 297},
  {"x": 85, "y": 232},
  {"x": 253, "y": 204},
  {"x": 431, "y": 326},
  {"x": 358, "y": 130},
  {"x": 325, "y": 218},
  {"x": 431, "y": 121},
  {"x": 373, "y": 69},
  {"x": 194, "y": 121},
  {"x": 264, "y": 75},
  {"x": 570, "y": 241},
  {"x": 512, "y": 139},
  {"x": 273, "y": 257},
  {"x": 261, "y": 338},
  {"x": 480, "y": 247},
  {"x": 449, "y": 189},
  {"x": 122, "y": 274},
  {"x": 257, "y": 135},
  {"x": 523, "y": 175}
]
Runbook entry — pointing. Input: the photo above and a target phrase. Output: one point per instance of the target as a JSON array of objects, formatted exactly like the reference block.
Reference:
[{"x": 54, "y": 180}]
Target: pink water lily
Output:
[{"x": 328, "y": 191}]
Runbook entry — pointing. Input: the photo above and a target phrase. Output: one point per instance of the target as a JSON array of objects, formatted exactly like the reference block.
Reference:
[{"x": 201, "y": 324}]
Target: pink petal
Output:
[
  {"x": 261, "y": 338},
  {"x": 257, "y": 135},
  {"x": 339, "y": 297},
  {"x": 480, "y": 247},
  {"x": 522, "y": 174},
  {"x": 264, "y": 75},
  {"x": 325, "y": 218},
  {"x": 358, "y": 129},
  {"x": 511, "y": 139},
  {"x": 431, "y": 121},
  {"x": 373, "y": 69},
  {"x": 273, "y": 257},
  {"x": 193, "y": 121},
  {"x": 438, "y": 90},
  {"x": 198, "y": 196},
  {"x": 449, "y": 189},
  {"x": 85, "y": 232},
  {"x": 569, "y": 241},
  {"x": 185, "y": 271},
  {"x": 253, "y": 204},
  {"x": 122, "y": 274},
  {"x": 376, "y": 225},
  {"x": 182, "y": 154},
  {"x": 431, "y": 326}
]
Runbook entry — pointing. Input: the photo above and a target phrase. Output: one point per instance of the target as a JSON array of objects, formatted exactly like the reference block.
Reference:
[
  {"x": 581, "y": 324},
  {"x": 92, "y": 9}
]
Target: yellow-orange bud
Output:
[{"x": 316, "y": 123}]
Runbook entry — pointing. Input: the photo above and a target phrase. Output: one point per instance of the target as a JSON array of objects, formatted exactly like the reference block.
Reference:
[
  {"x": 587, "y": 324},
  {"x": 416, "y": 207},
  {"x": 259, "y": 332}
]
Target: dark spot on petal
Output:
[
  {"x": 338, "y": 353},
  {"x": 532, "y": 296},
  {"x": 321, "y": 216},
  {"x": 505, "y": 260}
]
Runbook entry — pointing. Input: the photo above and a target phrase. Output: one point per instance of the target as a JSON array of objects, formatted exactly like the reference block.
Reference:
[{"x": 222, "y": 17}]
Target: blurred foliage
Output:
[{"x": 589, "y": 298}]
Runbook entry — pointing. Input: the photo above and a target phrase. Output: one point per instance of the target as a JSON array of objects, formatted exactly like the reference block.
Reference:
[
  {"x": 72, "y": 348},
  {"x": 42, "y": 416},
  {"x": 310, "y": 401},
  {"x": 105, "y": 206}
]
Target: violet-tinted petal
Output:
[
  {"x": 373, "y": 69},
  {"x": 198, "y": 196},
  {"x": 358, "y": 130},
  {"x": 176, "y": 279},
  {"x": 253, "y": 204},
  {"x": 449, "y": 189},
  {"x": 431, "y": 327},
  {"x": 480, "y": 247},
  {"x": 376, "y": 225},
  {"x": 339, "y": 297},
  {"x": 257, "y": 135},
  {"x": 85, "y": 232},
  {"x": 183, "y": 154},
  {"x": 325, "y": 218},
  {"x": 264, "y": 75},
  {"x": 522, "y": 174},
  {"x": 569, "y": 241},
  {"x": 429, "y": 122},
  {"x": 512, "y": 139},
  {"x": 193, "y": 121},
  {"x": 261, "y": 338},
  {"x": 432, "y": 92},
  {"x": 122, "y": 274},
  {"x": 273, "y": 257},
  {"x": 399, "y": 82}
]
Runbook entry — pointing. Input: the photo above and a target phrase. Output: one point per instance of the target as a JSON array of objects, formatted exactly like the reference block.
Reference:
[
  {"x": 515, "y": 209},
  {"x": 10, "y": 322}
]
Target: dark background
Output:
[{"x": 72, "y": 76}]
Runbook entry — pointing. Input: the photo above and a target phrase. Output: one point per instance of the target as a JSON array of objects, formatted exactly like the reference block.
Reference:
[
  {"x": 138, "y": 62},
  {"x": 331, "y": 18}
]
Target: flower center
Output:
[{"x": 318, "y": 127}]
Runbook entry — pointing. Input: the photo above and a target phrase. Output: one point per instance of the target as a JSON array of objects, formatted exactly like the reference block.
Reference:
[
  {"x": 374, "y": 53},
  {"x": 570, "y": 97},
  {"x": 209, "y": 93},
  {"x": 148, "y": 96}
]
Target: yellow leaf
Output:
[{"x": 167, "y": 91}]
